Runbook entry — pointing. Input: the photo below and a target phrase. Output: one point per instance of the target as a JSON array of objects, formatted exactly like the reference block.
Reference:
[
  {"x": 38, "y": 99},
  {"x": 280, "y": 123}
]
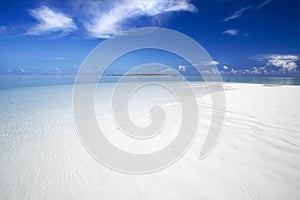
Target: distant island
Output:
[{"x": 140, "y": 75}]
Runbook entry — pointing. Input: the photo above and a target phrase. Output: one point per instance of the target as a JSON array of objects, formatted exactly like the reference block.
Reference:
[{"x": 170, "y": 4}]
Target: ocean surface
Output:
[{"x": 13, "y": 81}]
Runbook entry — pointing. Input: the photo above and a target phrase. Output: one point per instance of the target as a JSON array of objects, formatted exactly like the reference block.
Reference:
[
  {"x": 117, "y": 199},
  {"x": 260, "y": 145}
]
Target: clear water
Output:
[
  {"x": 41, "y": 156},
  {"x": 15, "y": 81}
]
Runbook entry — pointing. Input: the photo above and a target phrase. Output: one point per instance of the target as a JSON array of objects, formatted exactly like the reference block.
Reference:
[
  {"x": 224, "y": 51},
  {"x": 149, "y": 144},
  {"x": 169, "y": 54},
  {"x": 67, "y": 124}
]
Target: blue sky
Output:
[{"x": 242, "y": 37}]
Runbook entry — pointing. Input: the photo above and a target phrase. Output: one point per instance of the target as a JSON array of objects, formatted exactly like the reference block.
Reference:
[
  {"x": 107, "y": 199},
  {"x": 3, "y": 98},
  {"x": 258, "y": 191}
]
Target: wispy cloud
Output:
[
  {"x": 231, "y": 32},
  {"x": 242, "y": 11},
  {"x": 237, "y": 14},
  {"x": 213, "y": 62},
  {"x": 105, "y": 24},
  {"x": 50, "y": 21},
  {"x": 206, "y": 63},
  {"x": 60, "y": 58},
  {"x": 3, "y": 29},
  {"x": 263, "y": 4}
]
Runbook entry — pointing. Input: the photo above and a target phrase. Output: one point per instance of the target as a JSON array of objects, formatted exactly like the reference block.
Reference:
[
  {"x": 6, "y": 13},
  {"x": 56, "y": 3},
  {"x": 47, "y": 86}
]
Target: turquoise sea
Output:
[{"x": 15, "y": 81}]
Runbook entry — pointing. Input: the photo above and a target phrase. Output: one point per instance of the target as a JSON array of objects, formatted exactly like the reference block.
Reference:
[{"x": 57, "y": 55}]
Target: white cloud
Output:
[
  {"x": 204, "y": 63},
  {"x": 181, "y": 68},
  {"x": 283, "y": 61},
  {"x": 50, "y": 21},
  {"x": 258, "y": 70},
  {"x": 22, "y": 70},
  {"x": 225, "y": 67},
  {"x": 105, "y": 24},
  {"x": 253, "y": 70},
  {"x": 231, "y": 32},
  {"x": 213, "y": 62},
  {"x": 287, "y": 62},
  {"x": 58, "y": 70},
  {"x": 237, "y": 14}
]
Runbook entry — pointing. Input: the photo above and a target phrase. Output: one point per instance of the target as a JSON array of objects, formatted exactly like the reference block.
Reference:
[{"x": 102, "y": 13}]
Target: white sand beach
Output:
[{"x": 257, "y": 157}]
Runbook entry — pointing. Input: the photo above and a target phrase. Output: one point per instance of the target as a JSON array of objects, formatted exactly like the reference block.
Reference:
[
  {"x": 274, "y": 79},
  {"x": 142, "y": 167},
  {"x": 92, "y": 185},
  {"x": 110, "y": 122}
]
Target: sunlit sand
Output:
[{"x": 257, "y": 157}]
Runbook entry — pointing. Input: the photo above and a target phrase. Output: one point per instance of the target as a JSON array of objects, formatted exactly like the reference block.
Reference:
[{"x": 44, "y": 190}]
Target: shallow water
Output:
[
  {"x": 14, "y": 81},
  {"x": 258, "y": 156}
]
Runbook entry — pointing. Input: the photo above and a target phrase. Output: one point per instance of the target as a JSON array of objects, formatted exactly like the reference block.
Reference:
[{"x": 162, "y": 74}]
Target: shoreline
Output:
[
  {"x": 19, "y": 82},
  {"x": 41, "y": 155}
]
